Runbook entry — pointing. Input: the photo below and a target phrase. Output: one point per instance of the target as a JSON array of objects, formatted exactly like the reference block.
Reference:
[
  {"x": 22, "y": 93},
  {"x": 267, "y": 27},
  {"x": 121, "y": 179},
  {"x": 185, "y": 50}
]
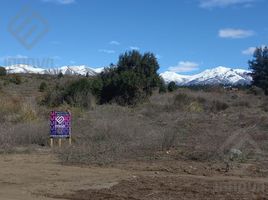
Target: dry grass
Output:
[
  {"x": 192, "y": 123},
  {"x": 22, "y": 135}
]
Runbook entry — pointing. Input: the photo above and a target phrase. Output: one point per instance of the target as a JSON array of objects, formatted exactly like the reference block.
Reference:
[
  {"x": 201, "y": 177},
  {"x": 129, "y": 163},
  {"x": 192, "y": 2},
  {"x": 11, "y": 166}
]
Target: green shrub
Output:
[
  {"x": 79, "y": 93},
  {"x": 162, "y": 86},
  {"x": 60, "y": 75},
  {"x": 3, "y": 71},
  {"x": 132, "y": 80},
  {"x": 172, "y": 86},
  {"x": 15, "y": 78},
  {"x": 42, "y": 87},
  {"x": 255, "y": 90}
]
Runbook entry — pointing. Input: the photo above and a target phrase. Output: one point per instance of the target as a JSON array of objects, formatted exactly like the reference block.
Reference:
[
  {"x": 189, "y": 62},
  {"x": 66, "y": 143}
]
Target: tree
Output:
[
  {"x": 42, "y": 87},
  {"x": 60, "y": 75},
  {"x": 172, "y": 86},
  {"x": 162, "y": 86},
  {"x": 132, "y": 80},
  {"x": 3, "y": 71},
  {"x": 259, "y": 67}
]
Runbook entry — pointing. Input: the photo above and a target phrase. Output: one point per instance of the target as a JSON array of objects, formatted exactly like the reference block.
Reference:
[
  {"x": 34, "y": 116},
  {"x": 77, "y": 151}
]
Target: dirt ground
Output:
[{"x": 40, "y": 176}]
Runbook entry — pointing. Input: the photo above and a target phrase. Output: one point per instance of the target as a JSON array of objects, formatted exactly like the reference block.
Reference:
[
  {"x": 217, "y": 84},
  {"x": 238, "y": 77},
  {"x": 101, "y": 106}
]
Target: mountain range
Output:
[
  {"x": 66, "y": 70},
  {"x": 218, "y": 75}
]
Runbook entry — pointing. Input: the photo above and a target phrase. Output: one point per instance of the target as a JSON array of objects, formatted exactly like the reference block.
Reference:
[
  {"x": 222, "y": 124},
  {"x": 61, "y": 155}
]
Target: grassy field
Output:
[{"x": 199, "y": 132}]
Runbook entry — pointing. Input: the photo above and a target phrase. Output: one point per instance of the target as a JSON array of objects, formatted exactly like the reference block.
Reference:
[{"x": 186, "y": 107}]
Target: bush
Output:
[
  {"x": 162, "y": 86},
  {"x": 3, "y": 71},
  {"x": 218, "y": 106},
  {"x": 255, "y": 90},
  {"x": 264, "y": 107},
  {"x": 14, "y": 78},
  {"x": 172, "y": 86},
  {"x": 23, "y": 134},
  {"x": 132, "y": 80},
  {"x": 42, "y": 87},
  {"x": 80, "y": 93},
  {"x": 198, "y": 104},
  {"x": 60, "y": 75}
]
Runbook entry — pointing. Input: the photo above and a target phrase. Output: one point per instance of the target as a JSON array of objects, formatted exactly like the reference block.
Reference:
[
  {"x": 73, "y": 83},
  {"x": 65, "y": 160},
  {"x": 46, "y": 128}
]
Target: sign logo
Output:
[
  {"x": 28, "y": 27},
  {"x": 60, "y": 119},
  {"x": 60, "y": 124}
]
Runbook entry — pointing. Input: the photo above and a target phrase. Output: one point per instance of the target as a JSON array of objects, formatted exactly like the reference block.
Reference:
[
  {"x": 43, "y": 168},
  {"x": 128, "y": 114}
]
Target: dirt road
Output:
[
  {"x": 40, "y": 176},
  {"x": 31, "y": 176}
]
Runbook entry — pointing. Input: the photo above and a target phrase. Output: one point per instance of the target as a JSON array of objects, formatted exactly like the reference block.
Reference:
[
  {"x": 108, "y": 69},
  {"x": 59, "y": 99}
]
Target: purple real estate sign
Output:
[{"x": 60, "y": 124}]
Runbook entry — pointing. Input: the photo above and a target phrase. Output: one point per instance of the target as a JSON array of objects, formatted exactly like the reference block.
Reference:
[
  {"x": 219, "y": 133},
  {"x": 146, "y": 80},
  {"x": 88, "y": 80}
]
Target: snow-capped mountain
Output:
[
  {"x": 67, "y": 70},
  {"x": 72, "y": 70},
  {"x": 218, "y": 75},
  {"x": 177, "y": 78},
  {"x": 22, "y": 68}
]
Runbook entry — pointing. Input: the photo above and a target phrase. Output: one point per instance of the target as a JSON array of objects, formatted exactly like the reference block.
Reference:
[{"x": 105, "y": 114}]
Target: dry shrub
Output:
[
  {"x": 111, "y": 133},
  {"x": 169, "y": 140},
  {"x": 264, "y": 107},
  {"x": 24, "y": 134},
  {"x": 255, "y": 91},
  {"x": 242, "y": 104},
  {"x": 217, "y": 106},
  {"x": 14, "y": 109},
  {"x": 189, "y": 103},
  {"x": 201, "y": 155},
  {"x": 198, "y": 104}
]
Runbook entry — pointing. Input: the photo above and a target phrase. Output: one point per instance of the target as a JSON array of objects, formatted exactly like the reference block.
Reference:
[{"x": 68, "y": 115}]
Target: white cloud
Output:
[
  {"x": 107, "y": 51},
  {"x": 62, "y": 2},
  {"x": 114, "y": 43},
  {"x": 224, "y": 3},
  {"x": 184, "y": 66},
  {"x": 251, "y": 50},
  {"x": 235, "y": 33},
  {"x": 134, "y": 48}
]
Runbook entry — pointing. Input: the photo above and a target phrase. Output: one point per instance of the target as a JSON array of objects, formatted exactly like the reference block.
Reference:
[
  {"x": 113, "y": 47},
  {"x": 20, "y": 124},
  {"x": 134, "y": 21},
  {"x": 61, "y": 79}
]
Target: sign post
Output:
[{"x": 60, "y": 127}]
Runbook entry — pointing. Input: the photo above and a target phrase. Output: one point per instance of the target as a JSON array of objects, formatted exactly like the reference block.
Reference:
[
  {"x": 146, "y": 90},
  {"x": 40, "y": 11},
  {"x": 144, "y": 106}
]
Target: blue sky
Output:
[{"x": 187, "y": 36}]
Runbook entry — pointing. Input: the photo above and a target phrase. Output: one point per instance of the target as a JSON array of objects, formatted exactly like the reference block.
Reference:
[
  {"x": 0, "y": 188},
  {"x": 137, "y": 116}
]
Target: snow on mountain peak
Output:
[
  {"x": 219, "y": 75},
  {"x": 67, "y": 70},
  {"x": 23, "y": 68}
]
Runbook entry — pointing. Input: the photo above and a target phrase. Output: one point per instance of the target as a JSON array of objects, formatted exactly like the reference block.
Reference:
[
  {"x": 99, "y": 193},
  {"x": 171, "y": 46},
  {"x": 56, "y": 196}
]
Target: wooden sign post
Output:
[{"x": 60, "y": 127}]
